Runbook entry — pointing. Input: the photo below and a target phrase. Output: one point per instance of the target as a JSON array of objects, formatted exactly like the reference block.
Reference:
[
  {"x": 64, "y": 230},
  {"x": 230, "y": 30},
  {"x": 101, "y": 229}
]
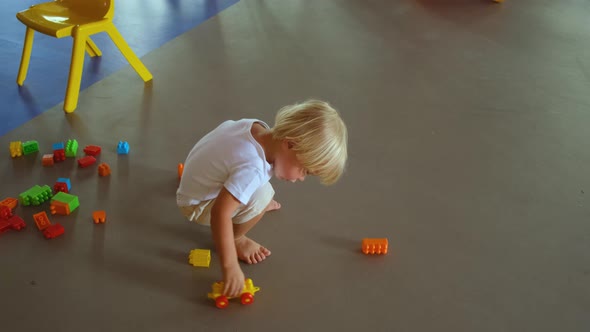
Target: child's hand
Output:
[{"x": 233, "y": 281}]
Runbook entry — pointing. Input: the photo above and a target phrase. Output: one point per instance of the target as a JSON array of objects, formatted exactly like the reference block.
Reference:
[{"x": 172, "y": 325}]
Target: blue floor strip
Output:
[{"x": 145, "y": 25}]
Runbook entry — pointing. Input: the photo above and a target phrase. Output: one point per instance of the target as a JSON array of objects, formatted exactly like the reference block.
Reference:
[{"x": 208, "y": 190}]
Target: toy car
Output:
[{"x": 221, "y": 301}]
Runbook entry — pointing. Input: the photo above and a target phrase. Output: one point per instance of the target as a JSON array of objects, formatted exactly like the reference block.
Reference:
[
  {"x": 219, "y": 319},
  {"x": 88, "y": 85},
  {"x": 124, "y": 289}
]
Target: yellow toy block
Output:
[
  {"x": 199, "y": 257},
  {"x": 16, "y": 149}
]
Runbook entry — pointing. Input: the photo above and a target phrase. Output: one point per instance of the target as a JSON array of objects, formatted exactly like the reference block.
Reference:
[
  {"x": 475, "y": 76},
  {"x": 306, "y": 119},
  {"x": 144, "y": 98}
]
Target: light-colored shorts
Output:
[{"x": 201, "y": 213}]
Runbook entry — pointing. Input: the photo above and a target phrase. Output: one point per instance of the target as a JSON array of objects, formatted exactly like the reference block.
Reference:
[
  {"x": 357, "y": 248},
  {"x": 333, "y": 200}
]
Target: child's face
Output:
[{"x": 286, "y": 166}]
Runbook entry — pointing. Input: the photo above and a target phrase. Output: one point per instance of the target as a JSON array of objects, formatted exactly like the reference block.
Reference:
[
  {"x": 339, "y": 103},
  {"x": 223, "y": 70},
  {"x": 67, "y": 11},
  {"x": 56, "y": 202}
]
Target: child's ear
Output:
[{"x": 288, "y": 144}]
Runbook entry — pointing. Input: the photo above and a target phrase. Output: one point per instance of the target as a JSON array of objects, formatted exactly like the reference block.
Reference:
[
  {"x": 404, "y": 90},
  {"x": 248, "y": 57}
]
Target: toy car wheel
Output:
[
  {"x": 221, "y": 302},
  {"x": 247, "y": 298}
]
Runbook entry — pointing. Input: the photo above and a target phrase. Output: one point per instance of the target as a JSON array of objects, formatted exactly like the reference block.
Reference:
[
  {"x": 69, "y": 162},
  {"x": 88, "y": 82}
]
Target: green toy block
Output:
[
  {"x": 71, "y": 148},
  {"x": 71, "y": 200},
  {"x": 30, "y": 147},
  {"x": 35, "y": 195}
]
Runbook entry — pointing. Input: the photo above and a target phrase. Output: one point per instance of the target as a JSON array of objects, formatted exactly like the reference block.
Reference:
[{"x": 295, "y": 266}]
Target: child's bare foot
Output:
[
  {"x": 250, "y": 251},
  {"x": 273, "y": 205}
]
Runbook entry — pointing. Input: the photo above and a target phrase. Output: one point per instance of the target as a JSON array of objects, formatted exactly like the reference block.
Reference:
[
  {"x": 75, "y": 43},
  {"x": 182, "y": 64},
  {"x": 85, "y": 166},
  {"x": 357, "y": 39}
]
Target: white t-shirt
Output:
[{"x": 226, "y": 157}]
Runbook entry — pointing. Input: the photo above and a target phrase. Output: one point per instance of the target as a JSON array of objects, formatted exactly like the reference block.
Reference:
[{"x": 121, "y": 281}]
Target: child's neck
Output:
[{"x": 264, "y": 137}]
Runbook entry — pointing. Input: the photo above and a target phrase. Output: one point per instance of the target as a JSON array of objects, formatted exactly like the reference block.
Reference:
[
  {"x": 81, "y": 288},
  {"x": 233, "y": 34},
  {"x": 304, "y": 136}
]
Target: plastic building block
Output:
[
  {"x": 41, "y": 220},
  {"x": 66, "y": 181},
  {"x": 16, "y": 149},
  {"x": 123, "y": 147},
  {"x": 180, "y": 170},
  {"x": 92, "y": 150},
  {"x": 59, "y": 155},
  {"x": 10, "y": 202},
  {"x": 375, "y": 246},
  {"x": 60, "y": 186},
  {"x": 47, "y": 160},
  {"x": 5, "y": 212},
  {"x": 99, "y": 217},
  {"x": 221, "y": 301},
  {"x": 71, "y": 200},
  {"x": 53, "y": 231},
  {"x": 71, "y": 148},
  {"x": 104, "y": 169},
  {"x": 4, "y": 226},
  {"x": 35, "y": 195},
  {"x": 30, "y": 147},
  {"x": 17, "y": 223},
  {"x": 58, "y": 146},
  {"x": 58, "y": 207},
  {"x": 199, "y": 257},
  {"x": 86, "y": 161}
]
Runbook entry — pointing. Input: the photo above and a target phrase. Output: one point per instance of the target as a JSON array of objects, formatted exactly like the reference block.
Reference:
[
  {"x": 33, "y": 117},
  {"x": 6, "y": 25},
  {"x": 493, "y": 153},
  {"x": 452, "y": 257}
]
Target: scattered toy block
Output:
[
  {"x": 59, "y": 155},
  {"x": 71, "y": 200},
  {"x": 180, "y": 170},
  {"x": 4, "y": 226},
  {"x": 35, "y": 195},
  {"x": 66, "y": 181},
  {"x": 16, "y": 149},
  {"x": 53, "y": 231},
  {"x": 17, "y": 223},
  {"x": 10, "y": 202},
  {"x": 99, "y": 217},
  {"x": 5, "y": 212},
  {"x": 60, "y": 186},
  {"x": 123, "y": 147},
  {"x": 41, "y": 220},
  {"x": 58, "y": 146},
  {"x": 47, "y": 160},
  {"x": 375, "y": 246},
  {"x": 86, "y": 161},
  {"x": 199, "y": 257},
  {"x": 92, "y": 150},
  {"x": 104, "y": 169},
  {"x": 71, "y": 148},
  {"x": 58, "y": 207},
  {"x": 30, "y": 147}
]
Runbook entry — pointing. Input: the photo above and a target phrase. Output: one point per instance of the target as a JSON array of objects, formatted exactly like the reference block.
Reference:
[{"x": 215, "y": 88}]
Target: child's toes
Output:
[{"x": 265, "y": 251}]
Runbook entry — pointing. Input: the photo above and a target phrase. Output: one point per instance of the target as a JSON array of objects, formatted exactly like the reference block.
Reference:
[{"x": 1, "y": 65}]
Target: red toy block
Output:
[
  {"x": 4, "y": 226},
  {"x": 10, "y": 202},
  {"x": 17, "y": 223},
  {"x": 53, "y": 231},
  {"x": 5, "y": 212},
  {"x": 59, "y": 155},
  {"x": 60, "y": 186},
  {"x": 92, "y": 150},
  {"x": 104, "y": 169},
  {"x": 99, "y": 217},
  {"x": 41, "y": 220},
  {"x": 47, "y": 160},
  {"x": 375, "y": 246},
  {"x": 86, "y": 161},
  {"x": 58, "y": 207}
]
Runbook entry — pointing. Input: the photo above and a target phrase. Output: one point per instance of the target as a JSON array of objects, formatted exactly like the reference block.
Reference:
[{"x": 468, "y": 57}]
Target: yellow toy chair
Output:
[{"x": 79, "y": 19}]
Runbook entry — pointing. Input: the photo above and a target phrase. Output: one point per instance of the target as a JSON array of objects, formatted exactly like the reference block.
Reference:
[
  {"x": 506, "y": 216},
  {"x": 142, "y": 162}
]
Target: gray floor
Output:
[{"x": 468, "y": 149}]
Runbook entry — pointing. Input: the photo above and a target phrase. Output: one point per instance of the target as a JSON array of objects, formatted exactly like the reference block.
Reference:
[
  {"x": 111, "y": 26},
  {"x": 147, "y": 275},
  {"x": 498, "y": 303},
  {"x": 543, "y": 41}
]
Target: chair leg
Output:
[
  {"x": 26, "y": 57},
  {"x": 91, "y": 48},
  {"x": 76, "y": 67},
  {"x": 133, "y": 60}
]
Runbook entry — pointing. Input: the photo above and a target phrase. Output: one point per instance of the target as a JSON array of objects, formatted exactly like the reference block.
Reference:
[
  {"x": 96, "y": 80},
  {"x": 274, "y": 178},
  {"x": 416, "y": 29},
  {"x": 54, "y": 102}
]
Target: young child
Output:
[{"x": 225, "y": 183}]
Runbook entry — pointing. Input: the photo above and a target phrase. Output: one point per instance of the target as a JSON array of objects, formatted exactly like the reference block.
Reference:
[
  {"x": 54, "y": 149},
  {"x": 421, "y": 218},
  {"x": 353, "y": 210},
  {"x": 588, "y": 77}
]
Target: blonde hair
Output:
[{"x": 319, "y": 136}]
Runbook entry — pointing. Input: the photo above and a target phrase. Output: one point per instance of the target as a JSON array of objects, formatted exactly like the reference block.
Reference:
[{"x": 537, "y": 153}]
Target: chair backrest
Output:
[{"x": 91, "y": 8}]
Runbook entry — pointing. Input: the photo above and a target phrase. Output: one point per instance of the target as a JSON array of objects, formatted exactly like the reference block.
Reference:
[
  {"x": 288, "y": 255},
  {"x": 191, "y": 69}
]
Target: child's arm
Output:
[{"x": 223, "y": 235}]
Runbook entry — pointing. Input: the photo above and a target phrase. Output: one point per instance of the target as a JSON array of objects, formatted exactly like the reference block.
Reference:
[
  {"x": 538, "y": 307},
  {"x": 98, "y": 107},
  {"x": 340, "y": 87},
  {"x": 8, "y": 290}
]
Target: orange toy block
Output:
[
  {"x": 47, "y": 160},
  {"x": 41, "y": 220},
  {"x": 375, "y": 246},
  {"x": 104, "y": 169},
  {"x": 99, "y": 217},
  {"x": 180, "y": 170},
  {"x": 10, "y": 202},
  {"x": 58, "y": 207}
]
